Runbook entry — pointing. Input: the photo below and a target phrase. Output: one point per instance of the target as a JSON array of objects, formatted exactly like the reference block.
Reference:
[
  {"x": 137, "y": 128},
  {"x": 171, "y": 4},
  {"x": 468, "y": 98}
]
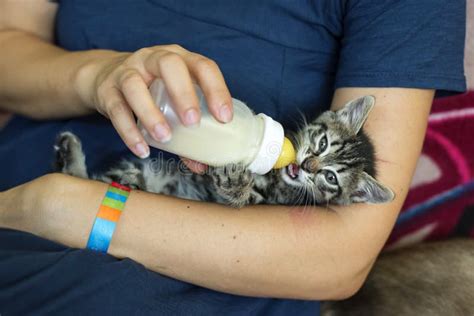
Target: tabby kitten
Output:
[{"x": 334, "y": 165}]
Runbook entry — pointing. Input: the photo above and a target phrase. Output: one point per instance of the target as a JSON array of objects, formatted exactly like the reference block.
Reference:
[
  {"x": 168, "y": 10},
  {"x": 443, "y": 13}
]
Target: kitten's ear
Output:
[
  {"x": 356, "y": 111},
  {"x": 370, "y": 190}
]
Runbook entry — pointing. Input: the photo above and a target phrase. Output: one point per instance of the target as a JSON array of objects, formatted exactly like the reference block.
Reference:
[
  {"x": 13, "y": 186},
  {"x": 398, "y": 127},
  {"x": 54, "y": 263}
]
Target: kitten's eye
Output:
[
  {"x": 323, "y": 144},
  {"x": 330, "y": 177}
]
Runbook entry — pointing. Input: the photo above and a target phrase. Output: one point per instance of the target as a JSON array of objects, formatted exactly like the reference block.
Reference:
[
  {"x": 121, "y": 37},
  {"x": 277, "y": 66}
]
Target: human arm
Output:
[
  {"x": 274, "y": 251},
  {"x": 44, "y": 81}
]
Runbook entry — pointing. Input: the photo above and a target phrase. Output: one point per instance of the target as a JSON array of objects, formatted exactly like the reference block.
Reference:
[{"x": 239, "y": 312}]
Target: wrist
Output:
[
  {"x": 31, "y": 207},
  {"x": 57, "y": 207},
  {"x": 11, "y": 208},
  {"x": 18, "y": 203},
  {"x": 87, "y": 77},
  {"x": 65, "y": 209},
  {"x": 39, "y": 198},
  {"x": 68, "y": 209}
]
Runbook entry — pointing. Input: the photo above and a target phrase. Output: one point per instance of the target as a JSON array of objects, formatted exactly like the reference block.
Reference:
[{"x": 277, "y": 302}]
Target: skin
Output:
[{"x": 276, "y": 251}]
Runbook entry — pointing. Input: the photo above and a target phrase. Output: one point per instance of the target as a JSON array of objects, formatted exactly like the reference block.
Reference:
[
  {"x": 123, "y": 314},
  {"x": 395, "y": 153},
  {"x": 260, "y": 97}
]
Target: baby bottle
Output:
[{"x": 256, "y": 141}]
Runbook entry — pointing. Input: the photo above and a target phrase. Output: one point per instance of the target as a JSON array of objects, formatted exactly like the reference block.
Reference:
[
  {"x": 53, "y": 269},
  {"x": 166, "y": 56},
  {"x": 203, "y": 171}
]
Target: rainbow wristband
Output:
[{"x": 107, "y": 217}]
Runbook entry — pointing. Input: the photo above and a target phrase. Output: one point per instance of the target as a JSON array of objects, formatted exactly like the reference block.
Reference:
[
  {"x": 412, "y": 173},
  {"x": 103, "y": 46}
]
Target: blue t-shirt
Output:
[{"x": 282, "y": 57}]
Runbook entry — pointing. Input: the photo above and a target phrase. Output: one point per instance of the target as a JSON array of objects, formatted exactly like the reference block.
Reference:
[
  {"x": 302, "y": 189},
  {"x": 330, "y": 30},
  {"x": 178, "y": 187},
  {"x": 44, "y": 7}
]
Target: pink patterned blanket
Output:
[{"x": 440, "y": 203}]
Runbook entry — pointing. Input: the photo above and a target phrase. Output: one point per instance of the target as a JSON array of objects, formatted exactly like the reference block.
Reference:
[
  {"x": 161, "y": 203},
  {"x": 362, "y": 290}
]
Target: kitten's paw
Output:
[
  {"x": 69, "y": 156},
  {"x": 232, "y": 176},
  {"x": 234, "y": 184},
  {"x": 127, "y": 173}
]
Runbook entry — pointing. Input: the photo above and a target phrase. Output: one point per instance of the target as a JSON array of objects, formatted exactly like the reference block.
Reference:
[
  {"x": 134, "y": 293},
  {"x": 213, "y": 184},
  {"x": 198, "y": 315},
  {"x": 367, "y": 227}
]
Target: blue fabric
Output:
[
  {"x": 281, "y": 57},
  {"x": 39, "y": 277},
  {"x": 409, "y": 43}
]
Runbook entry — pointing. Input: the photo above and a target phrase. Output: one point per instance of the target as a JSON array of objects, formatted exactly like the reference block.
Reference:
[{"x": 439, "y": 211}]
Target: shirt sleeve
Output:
[{"x": 404, "y": 43}]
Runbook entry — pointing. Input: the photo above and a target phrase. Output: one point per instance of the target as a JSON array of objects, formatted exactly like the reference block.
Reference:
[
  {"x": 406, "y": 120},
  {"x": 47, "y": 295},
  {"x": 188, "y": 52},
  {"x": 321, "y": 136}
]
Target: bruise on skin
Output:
[
  {"x": 306, "y": 223},
  {"x": 302, "y": 216}
]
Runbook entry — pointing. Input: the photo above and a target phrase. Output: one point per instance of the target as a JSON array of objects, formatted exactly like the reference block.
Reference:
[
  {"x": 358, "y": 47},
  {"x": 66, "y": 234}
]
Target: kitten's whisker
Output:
[
  {"x": 305, "y": 202},
  {"x": 300, "y": 196},
  {"x": 313, "y": 192},
  {"x": 302, "y": 122}
]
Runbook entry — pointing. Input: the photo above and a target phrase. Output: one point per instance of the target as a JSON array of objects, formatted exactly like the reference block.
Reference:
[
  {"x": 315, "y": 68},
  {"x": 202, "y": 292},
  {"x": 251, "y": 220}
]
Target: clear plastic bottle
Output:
[{"x": 255, "y": 141}]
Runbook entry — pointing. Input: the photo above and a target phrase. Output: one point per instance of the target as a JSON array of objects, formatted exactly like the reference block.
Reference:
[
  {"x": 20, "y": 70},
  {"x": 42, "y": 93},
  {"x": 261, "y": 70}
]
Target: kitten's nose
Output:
[{"x": 310, "y": 165}]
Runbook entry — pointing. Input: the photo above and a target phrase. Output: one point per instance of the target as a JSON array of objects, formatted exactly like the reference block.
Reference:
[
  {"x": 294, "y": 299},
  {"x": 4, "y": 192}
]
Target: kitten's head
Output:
[{"x": 335, "y": 158}]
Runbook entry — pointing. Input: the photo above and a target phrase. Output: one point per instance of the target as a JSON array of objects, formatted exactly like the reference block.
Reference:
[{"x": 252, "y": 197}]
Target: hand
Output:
[{"x": 117, "y": 87}]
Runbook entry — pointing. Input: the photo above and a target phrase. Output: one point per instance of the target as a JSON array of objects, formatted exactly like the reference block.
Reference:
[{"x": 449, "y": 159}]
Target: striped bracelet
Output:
[{"x": 107, "y": 217}]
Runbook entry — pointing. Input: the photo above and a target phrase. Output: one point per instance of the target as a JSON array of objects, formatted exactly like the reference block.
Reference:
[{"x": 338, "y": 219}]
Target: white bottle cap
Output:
[{"x": 270, "y": 147}]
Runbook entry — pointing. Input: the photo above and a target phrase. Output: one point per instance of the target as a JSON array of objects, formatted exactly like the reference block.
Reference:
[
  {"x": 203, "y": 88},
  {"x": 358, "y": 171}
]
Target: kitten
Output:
[
  {"x": 335, "y": 165},
  {"x": 433, "y": 279}
]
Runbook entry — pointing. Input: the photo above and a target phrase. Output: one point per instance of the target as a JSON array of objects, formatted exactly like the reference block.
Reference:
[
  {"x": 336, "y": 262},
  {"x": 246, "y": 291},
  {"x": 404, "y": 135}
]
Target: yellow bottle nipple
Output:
[{"x": 287, "y": 155}]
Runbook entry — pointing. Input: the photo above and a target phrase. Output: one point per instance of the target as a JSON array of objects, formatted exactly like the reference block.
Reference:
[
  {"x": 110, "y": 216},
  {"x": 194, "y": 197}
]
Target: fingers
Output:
[
  {"x": 194, "y": 166},
  {"x": 177, "y": 67},
  {"x": 122, "y": 118},
  {"x": 177, "y": 79},
  {"x": 211, "y": 81},
  {"x": 138, "y": 98}
]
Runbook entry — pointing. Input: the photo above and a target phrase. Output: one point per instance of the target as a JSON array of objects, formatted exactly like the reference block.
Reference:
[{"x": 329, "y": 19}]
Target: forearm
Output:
[
  {"x": 260, "y": 251},
  {"x": 41, "y": 80}
]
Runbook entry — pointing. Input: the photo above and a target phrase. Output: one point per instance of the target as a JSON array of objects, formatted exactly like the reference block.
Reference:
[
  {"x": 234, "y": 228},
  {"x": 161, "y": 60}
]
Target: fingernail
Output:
[
  {"x": 162, "y": 133},
  {"x": 142, "y": 150},
  {"x": 225, "y": 113},
  {"x": 191, "y": 117}
]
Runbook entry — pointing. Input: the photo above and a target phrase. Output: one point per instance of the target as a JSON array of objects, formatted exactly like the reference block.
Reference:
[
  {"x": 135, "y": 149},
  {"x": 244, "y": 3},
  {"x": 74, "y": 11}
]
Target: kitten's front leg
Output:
[
  {"x": 70, "y": 158},
  {"x": 234, "y": 184},
  {"x": 129, "y": 173}
]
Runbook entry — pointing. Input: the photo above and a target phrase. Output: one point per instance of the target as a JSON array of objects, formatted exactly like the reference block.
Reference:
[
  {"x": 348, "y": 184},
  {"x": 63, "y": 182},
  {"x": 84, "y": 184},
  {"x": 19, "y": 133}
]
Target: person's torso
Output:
[{"x": 278, "y": 56}]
